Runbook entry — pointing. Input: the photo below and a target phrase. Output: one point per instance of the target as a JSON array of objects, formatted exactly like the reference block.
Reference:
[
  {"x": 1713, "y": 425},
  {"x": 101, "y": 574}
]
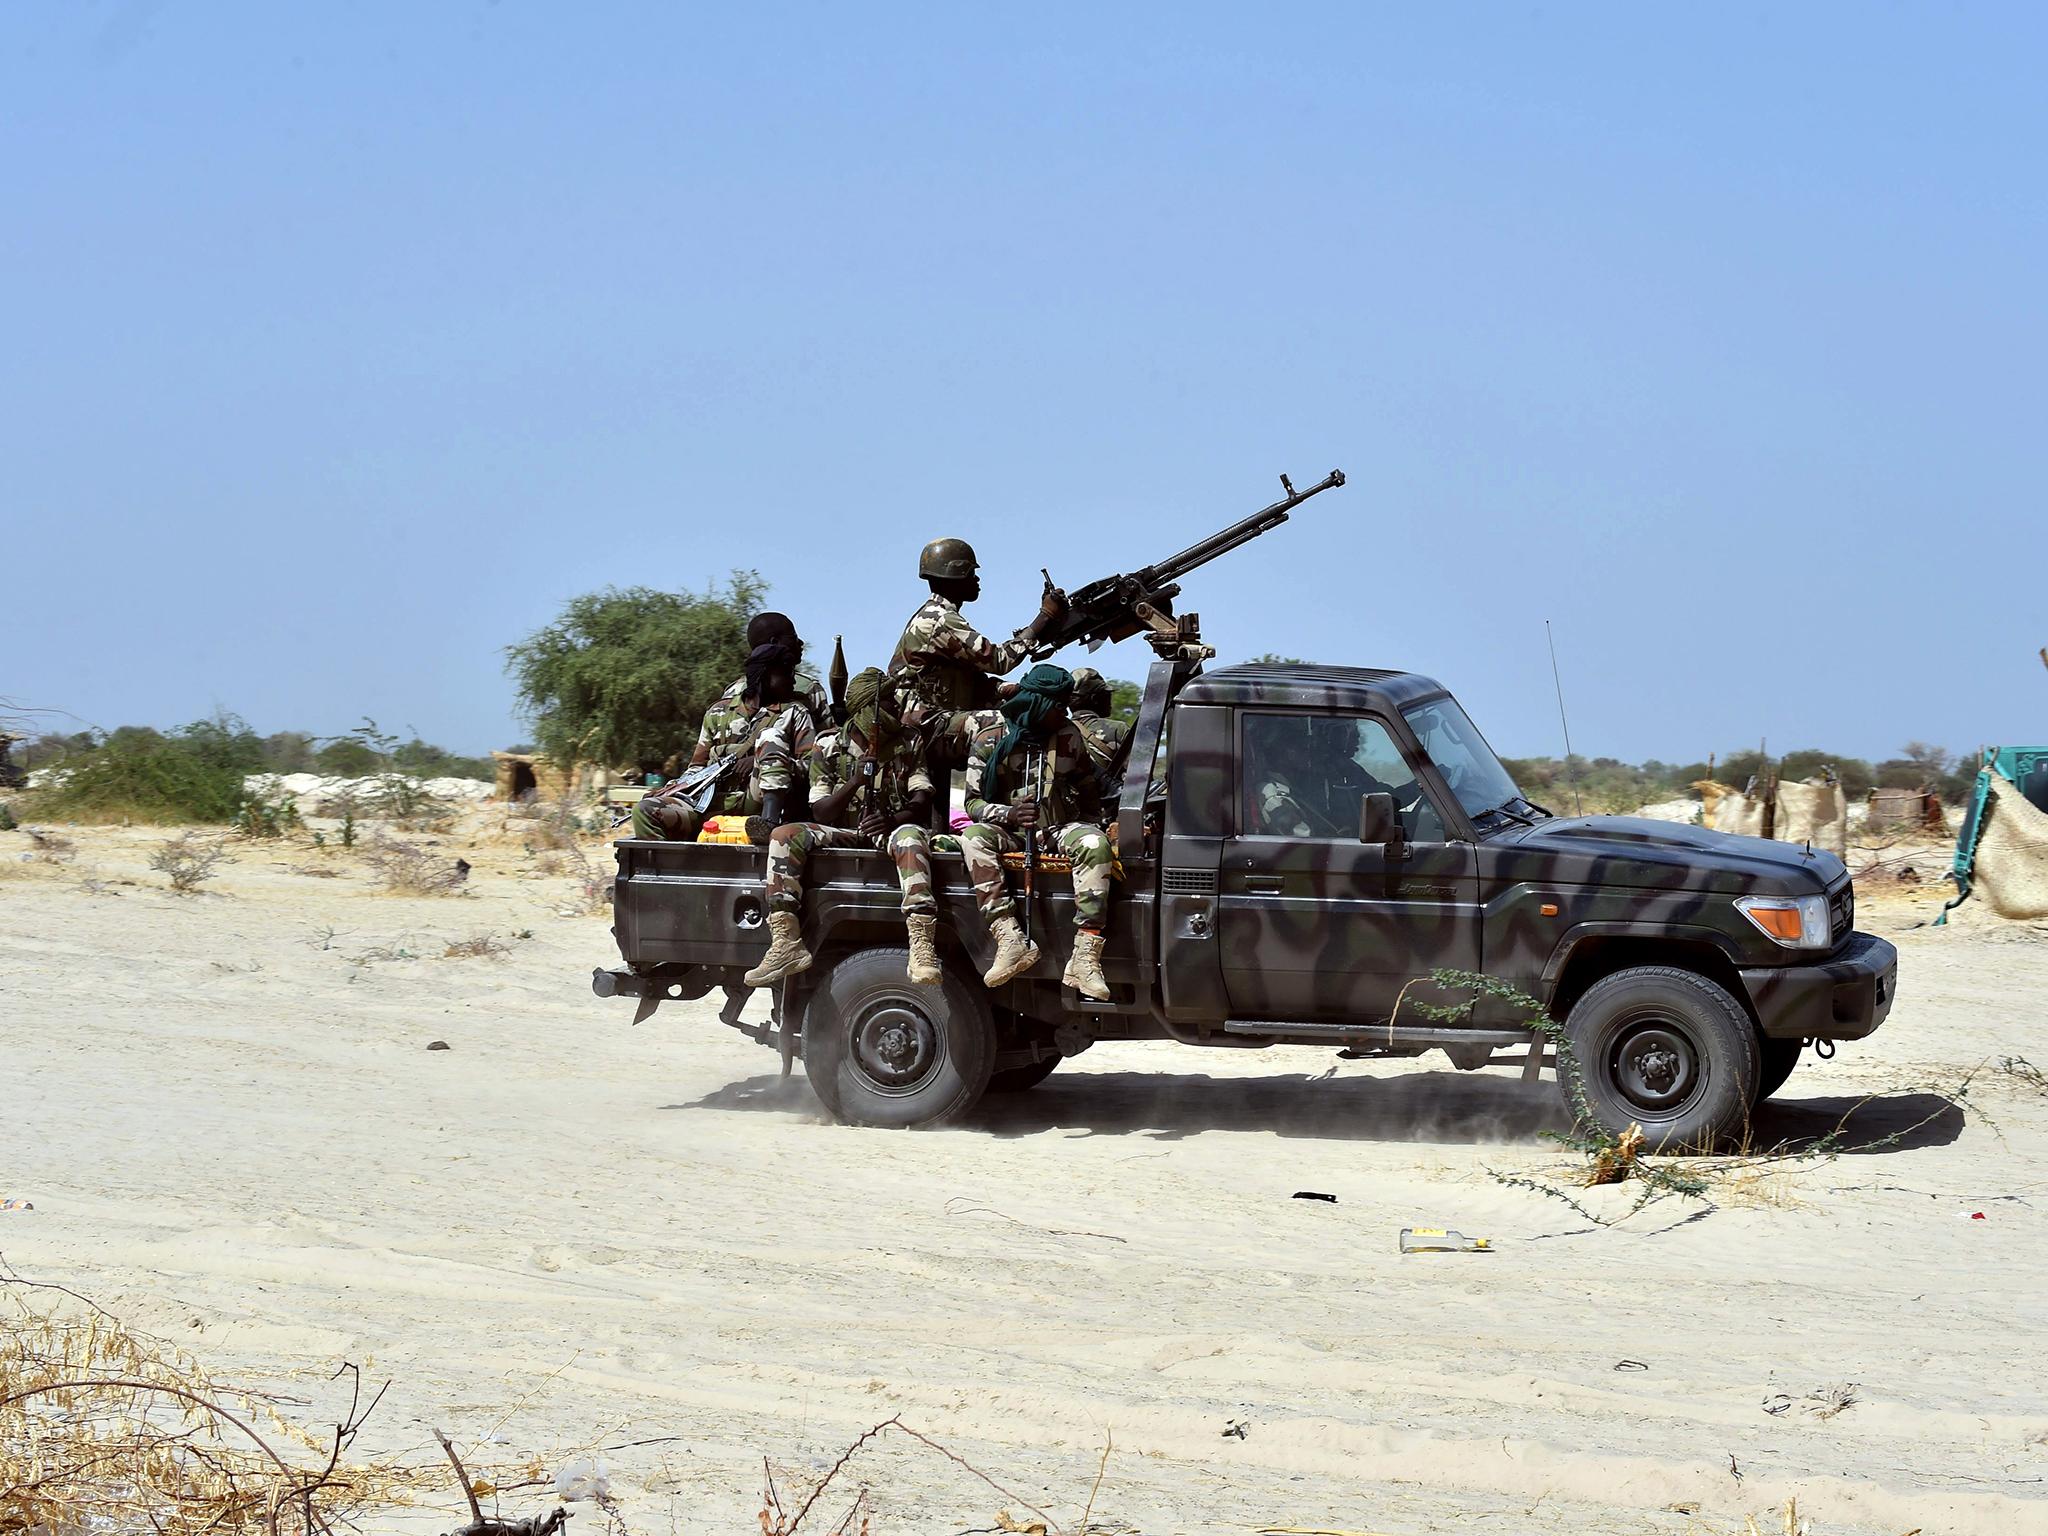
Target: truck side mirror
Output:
[{"x": 1377, "y": 820}]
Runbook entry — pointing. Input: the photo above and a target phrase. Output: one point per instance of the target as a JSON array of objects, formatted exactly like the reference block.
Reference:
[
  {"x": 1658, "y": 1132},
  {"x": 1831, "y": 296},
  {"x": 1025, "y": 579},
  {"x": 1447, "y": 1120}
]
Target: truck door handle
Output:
[{"x": 1264, "y": 885}]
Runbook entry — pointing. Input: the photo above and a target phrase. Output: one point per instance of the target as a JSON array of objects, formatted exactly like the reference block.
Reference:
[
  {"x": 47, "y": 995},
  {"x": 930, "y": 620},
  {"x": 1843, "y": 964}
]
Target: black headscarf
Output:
[{"x": 775, "y": 656}]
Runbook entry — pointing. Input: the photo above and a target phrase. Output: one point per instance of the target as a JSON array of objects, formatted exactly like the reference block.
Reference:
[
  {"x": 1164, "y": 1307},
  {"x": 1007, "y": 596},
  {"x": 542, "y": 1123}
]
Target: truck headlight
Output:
[{"x": 1797, "y": 922}]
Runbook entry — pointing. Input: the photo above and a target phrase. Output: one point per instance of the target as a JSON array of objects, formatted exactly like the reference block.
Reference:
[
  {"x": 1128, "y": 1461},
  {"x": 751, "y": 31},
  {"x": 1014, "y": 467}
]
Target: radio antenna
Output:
[{"x": 1578, "y": 808}]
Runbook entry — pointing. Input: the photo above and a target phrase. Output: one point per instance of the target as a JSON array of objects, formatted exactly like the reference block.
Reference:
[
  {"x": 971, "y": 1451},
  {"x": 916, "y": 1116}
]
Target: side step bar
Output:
[{"x": 1378, "y": 1034}]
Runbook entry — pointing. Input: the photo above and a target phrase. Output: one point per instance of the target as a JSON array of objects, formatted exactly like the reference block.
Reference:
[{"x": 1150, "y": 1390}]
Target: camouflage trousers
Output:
[
  {"x": 983, "y": 844},
  {"x": 667, "y": 821},
  {"x": 791, "y": 846}
]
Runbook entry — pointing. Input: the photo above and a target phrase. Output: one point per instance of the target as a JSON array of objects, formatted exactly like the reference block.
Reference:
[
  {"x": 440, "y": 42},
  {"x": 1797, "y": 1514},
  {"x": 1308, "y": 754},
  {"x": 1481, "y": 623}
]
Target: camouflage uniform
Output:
[
  {"x": 938, "y": 661},
  {"x": 775, "y": 740},
  {"x": 902, "y": 776},
  {"x": 1070, "y": 811},
  {"x": 727, "y": 723}
]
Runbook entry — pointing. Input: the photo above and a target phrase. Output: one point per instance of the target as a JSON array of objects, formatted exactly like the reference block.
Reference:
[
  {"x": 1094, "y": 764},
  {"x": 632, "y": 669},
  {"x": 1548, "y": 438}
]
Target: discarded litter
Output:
[
  {"x": 1438, "y": 1240},
  {"x": 583, "y": 1478},
  {"x": 15, "y": 1205},
  {"x": 1314, "y": 1194},
  {"x": 1630, "y": 1365},
  {"x": 1236, "y": 1429},
  {"x": 439, "y": 1045},
  {"x": 1777, "y": 1403}
]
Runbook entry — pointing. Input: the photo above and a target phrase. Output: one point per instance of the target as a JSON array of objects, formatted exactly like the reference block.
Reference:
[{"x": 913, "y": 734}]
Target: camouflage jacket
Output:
[
  {"x": 1103, "y": 736},
  {"x": 941, "y": 652},
  {"x": 836, "y": 762},
  {"x": 728, "y": 724},
  {"x": 1069, "y": 792}
]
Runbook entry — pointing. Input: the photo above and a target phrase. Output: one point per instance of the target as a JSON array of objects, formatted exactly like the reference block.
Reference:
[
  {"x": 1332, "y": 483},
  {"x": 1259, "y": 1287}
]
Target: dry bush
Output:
[
  {"x": 593, "y": 882},
  {"x": 104, "y": 1429},
  {"x": 188, "y": 861},
  {"x": 480, "y": 946},
  {"x": 415, "y": 869}
]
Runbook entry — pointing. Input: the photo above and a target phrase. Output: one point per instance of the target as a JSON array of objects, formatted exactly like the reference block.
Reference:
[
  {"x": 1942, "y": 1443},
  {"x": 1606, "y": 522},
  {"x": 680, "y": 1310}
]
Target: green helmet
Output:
[
  {"x": 1091, "y": 689},
  {"x": 951, "y": 559}
]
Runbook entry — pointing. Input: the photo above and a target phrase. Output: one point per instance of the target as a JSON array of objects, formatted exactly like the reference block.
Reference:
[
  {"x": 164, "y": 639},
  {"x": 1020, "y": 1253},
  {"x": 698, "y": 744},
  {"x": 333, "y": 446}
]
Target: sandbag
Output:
[
  {"x": 2009, "y": 872},
  {"x": 1739, "y": 813},
  {"x": 1814, "y": 812}
]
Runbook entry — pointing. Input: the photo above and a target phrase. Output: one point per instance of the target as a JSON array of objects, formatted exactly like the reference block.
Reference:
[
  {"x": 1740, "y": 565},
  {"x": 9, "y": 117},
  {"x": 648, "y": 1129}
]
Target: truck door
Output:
[{"x": 1313, "y": 924}]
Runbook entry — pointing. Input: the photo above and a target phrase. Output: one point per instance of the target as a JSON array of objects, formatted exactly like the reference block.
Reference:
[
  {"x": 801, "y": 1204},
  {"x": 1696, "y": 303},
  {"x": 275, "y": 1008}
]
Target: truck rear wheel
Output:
[
  {"x": 1775, "y": 1061},
  {"x": 882, "y": 1051},
  {"x": 1665, "y": 1049},
  {"x": 1017, "y": 1079}
]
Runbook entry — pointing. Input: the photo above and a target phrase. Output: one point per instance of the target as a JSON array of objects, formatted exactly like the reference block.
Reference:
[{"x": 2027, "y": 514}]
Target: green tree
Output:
[
  {"x": 1123, "y": 698},
  {"x": 624, "y": 675}
]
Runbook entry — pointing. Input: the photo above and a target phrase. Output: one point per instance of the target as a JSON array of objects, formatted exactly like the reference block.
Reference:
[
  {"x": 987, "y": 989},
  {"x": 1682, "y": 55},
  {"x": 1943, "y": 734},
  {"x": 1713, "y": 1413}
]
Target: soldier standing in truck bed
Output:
[{"x": 945, "y": 667}]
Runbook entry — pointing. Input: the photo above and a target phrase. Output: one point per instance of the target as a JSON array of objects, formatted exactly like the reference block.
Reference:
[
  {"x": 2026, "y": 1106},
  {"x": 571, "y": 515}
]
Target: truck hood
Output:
[{"x": 1634, "y": 850}]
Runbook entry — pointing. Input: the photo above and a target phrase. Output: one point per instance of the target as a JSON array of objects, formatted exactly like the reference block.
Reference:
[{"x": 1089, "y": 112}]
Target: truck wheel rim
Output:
[
  {"x": 896, "y": 1046},
  {"x": 1656, "y": 1066}
]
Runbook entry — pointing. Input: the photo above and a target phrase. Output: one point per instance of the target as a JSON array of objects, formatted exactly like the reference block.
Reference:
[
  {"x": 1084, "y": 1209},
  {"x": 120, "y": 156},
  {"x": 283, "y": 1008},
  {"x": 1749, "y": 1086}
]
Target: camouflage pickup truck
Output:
[{"x": 1300, "y": 847}]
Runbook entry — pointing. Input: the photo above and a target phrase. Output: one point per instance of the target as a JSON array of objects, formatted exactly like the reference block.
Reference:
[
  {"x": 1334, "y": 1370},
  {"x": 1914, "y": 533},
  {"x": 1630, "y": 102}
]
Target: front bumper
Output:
[{"x": 1844, "y": 997}]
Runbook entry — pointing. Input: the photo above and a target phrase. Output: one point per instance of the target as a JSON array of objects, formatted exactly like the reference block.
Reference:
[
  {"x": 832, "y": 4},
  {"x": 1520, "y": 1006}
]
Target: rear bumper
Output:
[{"x": 1844, "y": 997}]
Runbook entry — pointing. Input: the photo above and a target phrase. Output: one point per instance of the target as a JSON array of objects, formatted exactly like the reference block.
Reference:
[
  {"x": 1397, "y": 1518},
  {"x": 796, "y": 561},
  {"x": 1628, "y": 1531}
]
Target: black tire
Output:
[
  {"x": 1017, "y": 1079},
  {"x": 1665, "y": 1049},
  {"x": 1775, "y": 1061},
  {"x": 880, "y": 1050}
]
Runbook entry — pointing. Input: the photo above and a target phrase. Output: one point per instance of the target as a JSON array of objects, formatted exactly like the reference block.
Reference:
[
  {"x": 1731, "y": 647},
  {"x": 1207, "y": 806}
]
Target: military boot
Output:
[
  {"x": 924, "y": 949},
  {"x": 1015, "y": 954},
  {"x": 1084, "y": 970},
  {"x": 786, "y": 956}
]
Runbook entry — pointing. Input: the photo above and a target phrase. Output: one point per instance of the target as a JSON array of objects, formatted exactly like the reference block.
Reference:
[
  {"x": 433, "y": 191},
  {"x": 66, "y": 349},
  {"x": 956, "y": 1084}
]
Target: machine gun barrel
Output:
[
  {"x": 1118, "y": 606},
  {"x": 1265, "y": 520}
]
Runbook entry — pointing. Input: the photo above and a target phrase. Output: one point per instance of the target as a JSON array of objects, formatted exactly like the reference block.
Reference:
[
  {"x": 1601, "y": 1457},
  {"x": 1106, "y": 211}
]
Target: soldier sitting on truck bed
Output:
[
  {"x": 947, "y": 665},
  {"x": 890, "y": 794},
  {"x": 1106, "y": 736},
  {"x": 1035, "y": 772},
  {"x": 769, "y": 732}
]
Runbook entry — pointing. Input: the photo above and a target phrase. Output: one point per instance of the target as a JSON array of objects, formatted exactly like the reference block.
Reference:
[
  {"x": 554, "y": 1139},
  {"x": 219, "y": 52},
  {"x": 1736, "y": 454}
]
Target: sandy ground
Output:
[{"x": 565, "y": 1231}]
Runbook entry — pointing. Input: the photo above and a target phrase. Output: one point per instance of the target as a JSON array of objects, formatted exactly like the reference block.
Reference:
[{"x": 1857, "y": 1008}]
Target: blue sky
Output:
[{"x": 345, "y": 342}]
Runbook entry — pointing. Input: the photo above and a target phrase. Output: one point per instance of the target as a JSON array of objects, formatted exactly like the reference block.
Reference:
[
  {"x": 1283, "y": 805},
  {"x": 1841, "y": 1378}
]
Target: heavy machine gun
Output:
[{"x": 1141, "y": 602}]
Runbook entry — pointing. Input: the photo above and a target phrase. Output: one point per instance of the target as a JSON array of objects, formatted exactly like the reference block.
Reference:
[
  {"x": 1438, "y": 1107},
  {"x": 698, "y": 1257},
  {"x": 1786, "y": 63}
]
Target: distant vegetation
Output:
[
  {"x": 194, "y": 773},
  {"x": 1607, "y": 784}
]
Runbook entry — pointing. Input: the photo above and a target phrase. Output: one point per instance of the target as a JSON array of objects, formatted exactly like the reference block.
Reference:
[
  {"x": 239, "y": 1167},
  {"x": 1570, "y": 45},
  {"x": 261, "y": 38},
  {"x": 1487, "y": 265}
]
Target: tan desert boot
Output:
[
  {"x": 924, "y": 949},
  {"x": 1014, "y": 953},
  {"x": 1084, "y": 970},
  {"x": 786, "y": 956}
]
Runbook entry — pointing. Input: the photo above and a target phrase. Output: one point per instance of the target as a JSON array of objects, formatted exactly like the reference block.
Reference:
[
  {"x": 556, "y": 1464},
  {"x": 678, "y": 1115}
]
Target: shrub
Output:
[
  {"x": 188, "y": 861},
  {"x": 193, "y": 774},
  {"x": 414, "y": 869},
  {"x": 265, "y": 816}
]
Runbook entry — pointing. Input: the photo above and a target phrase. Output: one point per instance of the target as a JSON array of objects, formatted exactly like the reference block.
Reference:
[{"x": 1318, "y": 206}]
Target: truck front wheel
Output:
[
  {"x": 1665, "y": 1049},
  {"x": 880, "y": 1050}
]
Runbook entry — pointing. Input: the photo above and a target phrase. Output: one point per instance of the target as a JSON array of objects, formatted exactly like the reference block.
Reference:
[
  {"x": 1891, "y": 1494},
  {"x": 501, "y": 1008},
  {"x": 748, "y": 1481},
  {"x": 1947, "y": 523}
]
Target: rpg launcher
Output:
[
  {"x": 836, "y": 680},
  {"x": 1141, "y": 602}
]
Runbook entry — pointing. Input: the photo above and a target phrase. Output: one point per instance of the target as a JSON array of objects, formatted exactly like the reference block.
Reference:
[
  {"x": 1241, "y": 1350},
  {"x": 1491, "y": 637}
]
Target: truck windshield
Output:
[{"x": 1461, "y": 754}]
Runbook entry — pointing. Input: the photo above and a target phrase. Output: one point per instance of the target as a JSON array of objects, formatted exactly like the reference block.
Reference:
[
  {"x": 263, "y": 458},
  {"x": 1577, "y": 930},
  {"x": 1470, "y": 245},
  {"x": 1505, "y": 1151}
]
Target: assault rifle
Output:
[{"x": 1141, "y": 602}]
